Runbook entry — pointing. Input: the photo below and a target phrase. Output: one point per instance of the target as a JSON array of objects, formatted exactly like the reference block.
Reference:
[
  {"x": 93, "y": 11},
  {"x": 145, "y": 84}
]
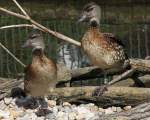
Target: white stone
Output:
[
  {"x": 119, "y": 109},
  {"x": 2, "y": 105},
  {"x": 84, "y": 113},
  {"x": 80, "y": 117},
  {"x": 8, "y": 100},
  {"x": 114, "y": 108},
  {"x": 101, "y": 110},
  {"x": 72, "y": 116},
  {"x": 127, "y": 107},
  {"x": 55, "y": 110},
  {"x": 94, "y": 109},
  {"x": 62, "y": 116},
  {"x": 51, "y": 103},
  {"x": 90, "y": 104},
  {"x": 4, "y": 114},
  {"x": 66, "y": 104},
  {"x": 109, "y": 111}
]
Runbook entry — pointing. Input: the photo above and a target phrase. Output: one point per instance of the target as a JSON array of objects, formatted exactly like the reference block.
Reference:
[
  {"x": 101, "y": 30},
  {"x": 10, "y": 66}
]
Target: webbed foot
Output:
[{"x": 43, "y": 112}]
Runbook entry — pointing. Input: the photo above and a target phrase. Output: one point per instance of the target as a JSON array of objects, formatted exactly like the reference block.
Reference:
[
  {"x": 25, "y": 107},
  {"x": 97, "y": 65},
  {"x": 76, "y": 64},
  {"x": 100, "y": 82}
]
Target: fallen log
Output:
[
  {"x": 141, "y": 66},
  {"x": 67, "y": 75},
  {"x": 115, "y": 96},
  {"x": 119, "y": 96},
  {"x": 140, "y": 112}
]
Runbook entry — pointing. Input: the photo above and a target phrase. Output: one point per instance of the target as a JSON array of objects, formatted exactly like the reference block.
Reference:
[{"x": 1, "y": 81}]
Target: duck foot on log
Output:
[{"x": 100, "y": 90}]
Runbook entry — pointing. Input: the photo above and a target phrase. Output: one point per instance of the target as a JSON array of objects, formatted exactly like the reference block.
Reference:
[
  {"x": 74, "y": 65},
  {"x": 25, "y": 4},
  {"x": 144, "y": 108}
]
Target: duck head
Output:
[
  {"x": 34, "y": 41},
  {"x": 91, "y": 13}
]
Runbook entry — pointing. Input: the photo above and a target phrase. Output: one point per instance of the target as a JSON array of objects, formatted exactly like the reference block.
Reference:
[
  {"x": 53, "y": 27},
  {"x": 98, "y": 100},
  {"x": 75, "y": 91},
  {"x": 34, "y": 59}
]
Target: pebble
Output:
[
  {"x": 2, "y": 105},
  {"x": 94, "y": 109},
  {"x": 118, "y": 109},
  {"x": 66, "y": 104},
  {"x": 114, "y": 109},
  {"x": 51, "y": 103},
  {"x": 61, "y": 116},
  {"x": 127, "y": 108},
  {"x": 101, "y": 110},
  {"x": 109, "y": 111},
  {"x": 14, "y": 114},
  {"x": 72, "y": 116},
  {"x": 4, "y": 114},
  {"x": 7, "y": 101},
  {"x": 10, "y": 111}
]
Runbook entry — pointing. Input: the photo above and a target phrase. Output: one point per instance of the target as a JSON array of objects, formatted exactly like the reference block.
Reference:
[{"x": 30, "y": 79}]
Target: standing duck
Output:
[
  {"x": 41, "y": 74},
  {"x": 103, "y": 50}
]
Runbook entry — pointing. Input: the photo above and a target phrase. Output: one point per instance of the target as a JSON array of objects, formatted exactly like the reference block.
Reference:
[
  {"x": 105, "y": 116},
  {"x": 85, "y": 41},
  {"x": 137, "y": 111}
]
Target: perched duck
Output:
[
  {"x": 41, "y": 74},
  {"x": 103, "y": 50}
]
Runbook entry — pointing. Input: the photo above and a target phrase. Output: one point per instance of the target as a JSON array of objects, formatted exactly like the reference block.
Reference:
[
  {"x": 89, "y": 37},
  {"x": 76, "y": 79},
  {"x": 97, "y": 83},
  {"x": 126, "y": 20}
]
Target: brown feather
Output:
[
  {"x": 40, "y": 75},
  {"x": 103, "y": 49}
]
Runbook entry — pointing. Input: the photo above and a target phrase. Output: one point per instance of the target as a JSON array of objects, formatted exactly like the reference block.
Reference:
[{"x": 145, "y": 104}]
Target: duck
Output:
[
  {"x": 103, "y": 49},
  {"x": 41, "y": 74}
]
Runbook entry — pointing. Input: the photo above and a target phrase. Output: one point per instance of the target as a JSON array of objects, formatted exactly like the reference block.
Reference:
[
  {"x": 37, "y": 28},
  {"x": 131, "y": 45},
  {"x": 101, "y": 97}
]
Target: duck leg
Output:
[
  {"x": 43, "y": 107},
  {"x": 102, "y": 88}
]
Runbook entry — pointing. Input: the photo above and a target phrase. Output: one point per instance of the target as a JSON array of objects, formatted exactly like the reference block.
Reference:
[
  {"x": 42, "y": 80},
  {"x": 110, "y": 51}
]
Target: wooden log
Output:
[
  {"x": 140, "y": 112},
  {"x": 114, "y": 96},
  {"x": 66, "y": 75},
  {"x": 141, "y": 66}
]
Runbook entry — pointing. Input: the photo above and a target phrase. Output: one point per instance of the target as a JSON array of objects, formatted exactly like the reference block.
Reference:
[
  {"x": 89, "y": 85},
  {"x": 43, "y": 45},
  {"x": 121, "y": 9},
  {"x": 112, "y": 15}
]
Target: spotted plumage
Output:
[{"x": 103, "y": 49}]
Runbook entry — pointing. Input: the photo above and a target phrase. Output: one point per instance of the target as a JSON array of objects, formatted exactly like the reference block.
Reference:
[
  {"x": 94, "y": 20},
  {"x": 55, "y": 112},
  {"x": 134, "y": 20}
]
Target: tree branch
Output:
[
  {"x": 39, "y": 26},
  {"x": 13, "y": 13},
  {"x": 22, "y": 10},
  {"x": 19, "y": 25},
  {"x": 12, "y": 55}
]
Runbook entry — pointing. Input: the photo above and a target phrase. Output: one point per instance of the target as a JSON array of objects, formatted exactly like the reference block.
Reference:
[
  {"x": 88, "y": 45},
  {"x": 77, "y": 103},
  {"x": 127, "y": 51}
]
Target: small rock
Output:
[
  {"x": 55, "y": 110},
  {"x": 7, "y": 101},
  {"x": 90, "y": 104},
  {"x": 50, "y": 116},
  {"x": 127, "y": 108},
  {"x": 66, "y": 104},
  {"x": 66, "y": 109},
  {"x": 14, "y": 114},
  {"x": 83, "y": 113},
  {"x": 94, "y": 109},
  {"x": 80, "y": 117},
  {"x": 61, "y": 116},
  {"x": 51, "y": 103},
  {"x": 101, "y": 110},
  {"x": 119, "y": 109},
  {"x": 4, "y": 114},
  {"x": 72, "y": 116},
  {"x": 29, "y": 111},
  {"x": 2, "y": 105},
  {"x": 31, "y": 116},
  {"x": 109, "y": 111},
  {"x": 114, "y": 109}
]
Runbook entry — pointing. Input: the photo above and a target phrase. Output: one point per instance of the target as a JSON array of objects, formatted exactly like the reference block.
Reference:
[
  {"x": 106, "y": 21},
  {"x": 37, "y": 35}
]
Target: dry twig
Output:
[
  {"x": 12, "y": 55},
  {"x": 39, "y": 26}
]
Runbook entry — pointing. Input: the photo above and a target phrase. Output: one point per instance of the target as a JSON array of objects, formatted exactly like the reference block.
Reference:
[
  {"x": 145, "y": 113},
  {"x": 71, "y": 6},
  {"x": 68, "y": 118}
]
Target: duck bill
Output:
[
  {"x": 26, "y": 44},
  {"x": 82, "y": 18}
]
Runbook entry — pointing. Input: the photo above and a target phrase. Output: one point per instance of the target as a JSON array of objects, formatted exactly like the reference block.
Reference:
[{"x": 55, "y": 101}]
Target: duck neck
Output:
[
  {"x": 38, "y": 52},
  {"x": 94, "y": 25}
]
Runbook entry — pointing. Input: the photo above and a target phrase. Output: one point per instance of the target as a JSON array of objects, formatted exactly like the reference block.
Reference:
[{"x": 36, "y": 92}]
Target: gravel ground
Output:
[{"x": 10, "y": 111}]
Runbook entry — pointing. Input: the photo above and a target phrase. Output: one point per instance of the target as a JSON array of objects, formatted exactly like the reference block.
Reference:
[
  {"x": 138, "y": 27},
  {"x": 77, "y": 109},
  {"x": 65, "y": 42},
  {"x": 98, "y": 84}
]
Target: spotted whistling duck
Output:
[
  {"x": 41, "y": 74},
  {"x": 103, "y": 50}
]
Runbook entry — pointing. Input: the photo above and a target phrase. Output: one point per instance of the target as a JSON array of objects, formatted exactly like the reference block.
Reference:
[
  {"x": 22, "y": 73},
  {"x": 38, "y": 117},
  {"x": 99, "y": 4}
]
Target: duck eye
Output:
[
  {"x": 89, "y": 9},
  {"x": 32, "y": 37}
]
